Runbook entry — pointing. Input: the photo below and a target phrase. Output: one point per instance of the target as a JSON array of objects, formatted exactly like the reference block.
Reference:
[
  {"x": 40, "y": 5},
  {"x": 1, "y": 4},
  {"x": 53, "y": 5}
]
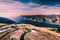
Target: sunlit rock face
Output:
[{"x": 52, "y": 19}]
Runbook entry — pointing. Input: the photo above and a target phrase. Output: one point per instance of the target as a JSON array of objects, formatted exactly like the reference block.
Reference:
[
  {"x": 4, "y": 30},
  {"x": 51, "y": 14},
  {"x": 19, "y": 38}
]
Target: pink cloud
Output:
[{"x": 17, "y": 8}]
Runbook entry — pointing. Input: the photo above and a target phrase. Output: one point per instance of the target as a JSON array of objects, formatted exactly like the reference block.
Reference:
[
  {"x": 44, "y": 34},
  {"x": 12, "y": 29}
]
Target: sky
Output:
[{"x": 10, "y": 8}]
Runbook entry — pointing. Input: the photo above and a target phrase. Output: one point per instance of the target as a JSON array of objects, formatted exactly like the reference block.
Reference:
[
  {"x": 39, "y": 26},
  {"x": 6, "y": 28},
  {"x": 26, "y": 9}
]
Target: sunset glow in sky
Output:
[{"x": 28, "y": 7}]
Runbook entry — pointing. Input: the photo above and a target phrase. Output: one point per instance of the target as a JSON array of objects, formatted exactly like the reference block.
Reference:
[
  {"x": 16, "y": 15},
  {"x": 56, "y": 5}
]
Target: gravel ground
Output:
[{"x": 40, "y": 36}]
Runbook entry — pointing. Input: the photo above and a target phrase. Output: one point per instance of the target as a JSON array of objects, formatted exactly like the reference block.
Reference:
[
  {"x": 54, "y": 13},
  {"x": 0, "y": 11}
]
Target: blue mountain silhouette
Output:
[{"x": 6, "y": 20}]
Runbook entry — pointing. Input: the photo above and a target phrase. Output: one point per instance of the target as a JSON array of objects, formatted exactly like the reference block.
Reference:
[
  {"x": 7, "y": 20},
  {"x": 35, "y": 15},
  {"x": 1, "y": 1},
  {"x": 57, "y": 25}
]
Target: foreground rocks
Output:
[{"x": 30, "y": 32}]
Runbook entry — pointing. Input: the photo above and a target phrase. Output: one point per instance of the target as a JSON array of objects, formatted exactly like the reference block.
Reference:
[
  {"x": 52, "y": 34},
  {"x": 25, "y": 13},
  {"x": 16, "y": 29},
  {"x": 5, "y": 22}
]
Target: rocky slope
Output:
[{"x": 29, "y": 32}]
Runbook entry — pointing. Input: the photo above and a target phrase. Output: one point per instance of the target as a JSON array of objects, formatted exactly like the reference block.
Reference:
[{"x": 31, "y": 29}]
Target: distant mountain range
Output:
[
  {"x": 27, "y": 20},
  {"x": 34, "y": 20}
]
